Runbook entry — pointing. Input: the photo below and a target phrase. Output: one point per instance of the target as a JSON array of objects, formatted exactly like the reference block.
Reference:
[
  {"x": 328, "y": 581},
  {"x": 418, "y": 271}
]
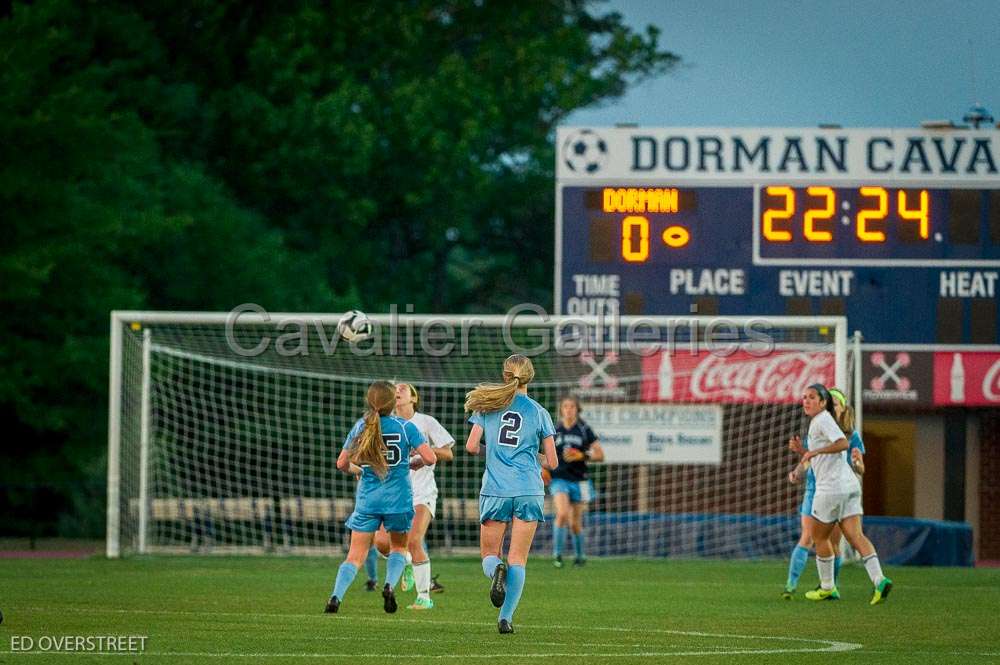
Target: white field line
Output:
[
  {"x": 822, "y": 646},
  {"x": 507, "y": 655}
]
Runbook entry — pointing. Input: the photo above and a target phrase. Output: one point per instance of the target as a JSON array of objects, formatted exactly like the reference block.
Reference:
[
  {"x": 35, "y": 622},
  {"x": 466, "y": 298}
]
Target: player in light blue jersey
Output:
[
  {"x": 380, "y": 445},
  {"x": 511, "y": 426},
  {"x": 844, "y": 415}
]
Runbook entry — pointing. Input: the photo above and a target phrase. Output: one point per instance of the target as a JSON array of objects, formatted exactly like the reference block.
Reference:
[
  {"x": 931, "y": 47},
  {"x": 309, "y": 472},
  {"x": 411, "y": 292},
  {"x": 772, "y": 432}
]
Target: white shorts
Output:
[
  {"x": 428, "y": 499},
  {"x": 830, "y": 508}
]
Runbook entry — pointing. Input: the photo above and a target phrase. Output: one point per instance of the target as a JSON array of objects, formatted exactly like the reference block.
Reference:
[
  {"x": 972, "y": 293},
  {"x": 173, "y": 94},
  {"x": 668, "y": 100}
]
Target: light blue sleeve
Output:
[
  {"x": 545, "y": 427},
  {"x": 477, "y": 418},
  {"x": 358, "y": 426},
  {"x": 810, "y": 475},
  {"x": 413, "y": 435},
  {"x": 856, "y": 442}
]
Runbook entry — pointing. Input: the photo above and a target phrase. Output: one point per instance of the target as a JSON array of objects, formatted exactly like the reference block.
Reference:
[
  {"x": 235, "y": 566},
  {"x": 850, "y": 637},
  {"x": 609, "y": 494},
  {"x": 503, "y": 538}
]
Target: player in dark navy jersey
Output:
[{"x": 571, "y": 490}]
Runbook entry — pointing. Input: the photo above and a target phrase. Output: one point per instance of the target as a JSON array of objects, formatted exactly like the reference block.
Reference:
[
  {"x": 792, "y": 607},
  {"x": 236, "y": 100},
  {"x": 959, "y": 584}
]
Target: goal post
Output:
[{"x": 224, "y": 427}]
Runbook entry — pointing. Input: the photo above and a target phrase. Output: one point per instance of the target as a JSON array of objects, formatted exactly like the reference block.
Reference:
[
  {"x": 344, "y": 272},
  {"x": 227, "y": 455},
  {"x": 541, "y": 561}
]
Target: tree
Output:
[
  {"x": 413, "y": 138},
  {"x": 307, "y": 155},
  {"x": 96, "y": 218}
]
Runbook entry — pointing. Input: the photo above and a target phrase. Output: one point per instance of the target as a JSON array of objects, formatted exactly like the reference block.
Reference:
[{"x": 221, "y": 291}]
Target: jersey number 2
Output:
[{"x": 509, "y": 427}]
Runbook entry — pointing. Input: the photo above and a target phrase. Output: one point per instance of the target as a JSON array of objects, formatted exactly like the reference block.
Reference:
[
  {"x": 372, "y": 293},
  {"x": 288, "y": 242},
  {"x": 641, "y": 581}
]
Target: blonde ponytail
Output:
[
  {"x": 486, "y": 397},
  {"x": 846, "y": 420}
]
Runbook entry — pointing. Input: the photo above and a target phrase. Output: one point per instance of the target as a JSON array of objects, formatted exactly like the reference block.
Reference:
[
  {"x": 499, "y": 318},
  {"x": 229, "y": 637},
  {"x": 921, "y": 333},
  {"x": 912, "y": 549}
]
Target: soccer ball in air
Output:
[
  {"x": 585, "y": 152},
  {"x": 355, "y": 326}
]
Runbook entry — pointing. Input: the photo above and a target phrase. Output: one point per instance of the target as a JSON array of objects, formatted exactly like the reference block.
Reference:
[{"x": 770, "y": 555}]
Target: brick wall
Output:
[{"x": 989, "y": 485}]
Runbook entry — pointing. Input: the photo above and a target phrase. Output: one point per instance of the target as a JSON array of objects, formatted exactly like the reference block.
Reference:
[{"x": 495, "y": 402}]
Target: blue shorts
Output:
[
  {"x": 806, "y": 508},
  {"x": 580, "y": 491},
  {"x": 505, "y": 509},
  {"x": 367, "y": 523}
]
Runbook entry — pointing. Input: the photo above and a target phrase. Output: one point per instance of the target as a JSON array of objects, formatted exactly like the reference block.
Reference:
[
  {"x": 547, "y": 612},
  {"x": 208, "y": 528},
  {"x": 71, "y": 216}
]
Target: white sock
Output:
[
  {"x": 409, "y": 558},
  {"x": 825, "y": 568},
  {"x": 422, "y": 578},
  {"x": 874, "y": 568}
]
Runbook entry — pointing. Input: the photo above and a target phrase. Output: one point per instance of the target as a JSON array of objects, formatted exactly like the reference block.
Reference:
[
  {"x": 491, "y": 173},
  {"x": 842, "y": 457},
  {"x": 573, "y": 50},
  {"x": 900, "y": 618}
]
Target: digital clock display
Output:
[{"x": 877, "y": 224}]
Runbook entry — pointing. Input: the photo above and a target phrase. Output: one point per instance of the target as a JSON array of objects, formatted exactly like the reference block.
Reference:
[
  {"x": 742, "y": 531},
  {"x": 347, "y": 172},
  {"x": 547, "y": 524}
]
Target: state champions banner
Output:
[{"x": 658, "y": 433}]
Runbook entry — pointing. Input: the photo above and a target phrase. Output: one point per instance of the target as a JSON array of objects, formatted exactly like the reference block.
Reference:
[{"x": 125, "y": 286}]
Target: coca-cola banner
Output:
[
  {"x": 966, "y": 378},
  {"x": 780, "y": 376}
]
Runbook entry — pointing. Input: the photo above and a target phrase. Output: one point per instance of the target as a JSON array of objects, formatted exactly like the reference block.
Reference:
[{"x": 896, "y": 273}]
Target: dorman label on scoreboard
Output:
[
  {"x": 784, "y": 222},
  {"x": 775, "y": 153}
]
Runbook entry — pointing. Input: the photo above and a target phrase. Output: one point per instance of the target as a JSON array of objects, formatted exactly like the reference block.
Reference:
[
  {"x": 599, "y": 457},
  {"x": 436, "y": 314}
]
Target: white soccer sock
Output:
[
  {"x": 874, "y": 568},
  {"x": 825, "y": 568},
  {"x": 422, "y": 578},
  {"x": 409, "y": 558}
]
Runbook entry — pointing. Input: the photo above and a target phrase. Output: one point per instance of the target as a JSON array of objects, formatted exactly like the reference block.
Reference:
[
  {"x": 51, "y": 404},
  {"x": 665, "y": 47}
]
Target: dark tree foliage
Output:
[{"x": 302, "y": 155}]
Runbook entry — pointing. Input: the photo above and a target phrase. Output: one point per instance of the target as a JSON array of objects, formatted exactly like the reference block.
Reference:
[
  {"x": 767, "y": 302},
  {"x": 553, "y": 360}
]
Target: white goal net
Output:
[{"x": 224, "y": 428}]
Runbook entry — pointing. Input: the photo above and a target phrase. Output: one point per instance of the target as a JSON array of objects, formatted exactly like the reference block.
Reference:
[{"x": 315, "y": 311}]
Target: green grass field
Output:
[{"x": 269, "y": 610}]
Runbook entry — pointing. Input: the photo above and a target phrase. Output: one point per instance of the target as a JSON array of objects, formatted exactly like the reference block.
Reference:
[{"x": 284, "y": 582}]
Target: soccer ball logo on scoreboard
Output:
[{"x": 585, "y": 152}]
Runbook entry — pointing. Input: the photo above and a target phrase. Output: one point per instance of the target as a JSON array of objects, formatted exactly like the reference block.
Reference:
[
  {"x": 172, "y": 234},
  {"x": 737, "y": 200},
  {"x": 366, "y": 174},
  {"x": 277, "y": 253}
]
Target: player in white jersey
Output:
[
  {"x": 418, "y": 566},
  {"x": 838, "y": 496}
]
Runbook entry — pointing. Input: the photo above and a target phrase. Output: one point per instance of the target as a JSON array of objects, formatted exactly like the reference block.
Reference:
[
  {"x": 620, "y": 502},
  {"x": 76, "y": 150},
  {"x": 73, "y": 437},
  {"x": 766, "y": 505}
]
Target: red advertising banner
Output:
[
  {"x": 966, "y": 378},
  {"x": 780, "y": 376}
]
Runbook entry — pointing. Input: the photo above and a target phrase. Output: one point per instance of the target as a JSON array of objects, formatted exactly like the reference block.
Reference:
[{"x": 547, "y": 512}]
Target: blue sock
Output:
[
  {"x": 394, "y": 568},
  {"x": 578, "y": 544},
  {"x": 558, "y": 536},
  {"x": 371, "y": 564},
  {"x": 836, "y": 569},
  {"x": 345, "y": 575},
  {"x": 490, "y": 564},
  {"x": 800, "y": 557},
  {"x": 515, "y": 585}
]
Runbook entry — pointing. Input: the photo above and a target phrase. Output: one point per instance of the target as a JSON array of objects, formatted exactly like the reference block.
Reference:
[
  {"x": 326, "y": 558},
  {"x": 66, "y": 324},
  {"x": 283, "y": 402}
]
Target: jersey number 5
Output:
[
  {"x": 509, "y": 427},
  {"x": 393, "y": 453}
]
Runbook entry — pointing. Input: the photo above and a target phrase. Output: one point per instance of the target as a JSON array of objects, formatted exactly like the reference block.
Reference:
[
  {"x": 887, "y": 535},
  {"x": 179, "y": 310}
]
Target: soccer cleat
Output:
[
  {"x": 881, "y": 591},
  {"x": 436, "y": 587},
  {"x": 505, "y": 627},
  {"x": 389, "y": 600},
  {"x": 819, "y": 593},
  {"x": 332, "y": 605},
  {"x": 578, "y": 562},
  {"x": 557, "y": 562},
  {"x": 371, "y": 585},
  {"x": 498, "y": 586},
  {"x": 407, "y": 582},
  {"x": 421, "y": 604},
  {"x": 788, "y": 593}
]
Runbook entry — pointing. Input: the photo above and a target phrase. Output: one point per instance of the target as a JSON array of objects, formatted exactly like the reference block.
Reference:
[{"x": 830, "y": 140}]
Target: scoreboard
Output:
[{"x": 897, "y": 229}]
